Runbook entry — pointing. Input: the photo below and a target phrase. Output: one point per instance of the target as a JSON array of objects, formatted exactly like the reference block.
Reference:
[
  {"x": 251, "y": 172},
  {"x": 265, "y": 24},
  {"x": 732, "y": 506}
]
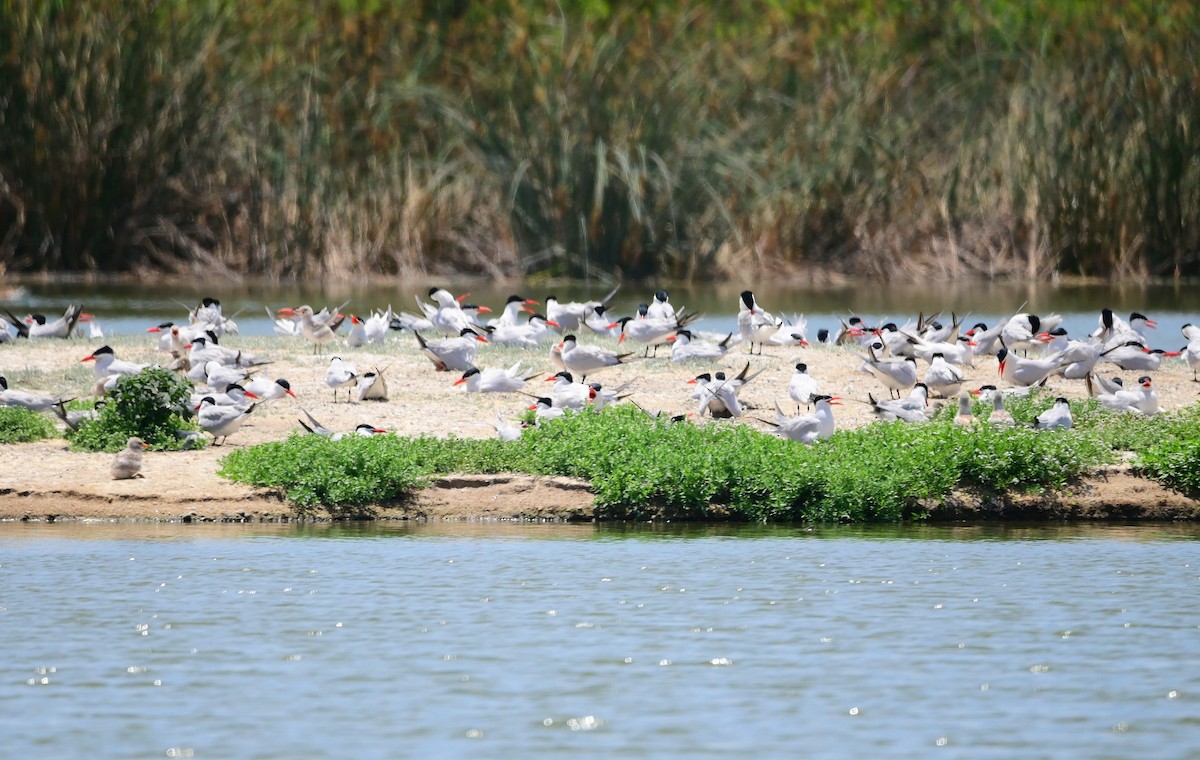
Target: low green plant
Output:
[
  {"x": 1174, "y": 463},
  {"x": 641, "y": 467},
  {"x": 19, "y": 425},
  {"x": 355, "y": 472},
  {"x": 150, "y": 405},
  {"x": 1172, "y": 453}
]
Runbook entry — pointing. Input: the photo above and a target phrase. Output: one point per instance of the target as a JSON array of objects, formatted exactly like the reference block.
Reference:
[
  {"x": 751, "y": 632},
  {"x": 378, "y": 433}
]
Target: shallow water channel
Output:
[{"x": 495, "y": 640}]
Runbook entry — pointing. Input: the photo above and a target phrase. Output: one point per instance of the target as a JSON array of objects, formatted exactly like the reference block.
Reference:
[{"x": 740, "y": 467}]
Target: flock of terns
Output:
[{"x": 916, "y": 362}]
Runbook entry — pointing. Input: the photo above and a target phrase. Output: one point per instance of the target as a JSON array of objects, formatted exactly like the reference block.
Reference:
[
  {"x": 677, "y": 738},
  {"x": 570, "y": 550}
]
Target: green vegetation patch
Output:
[
  {"x": 18, "y": 425},
  {"x": 641, "y": 467},
  {"x": 152, "y": 405},
  {"x": 357, "y": 472},
  {"x": 1173, "y": 455}
]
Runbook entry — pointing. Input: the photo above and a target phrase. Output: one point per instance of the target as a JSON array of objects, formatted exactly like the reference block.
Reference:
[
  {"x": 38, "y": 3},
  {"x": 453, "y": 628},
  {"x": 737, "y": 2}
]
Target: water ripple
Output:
[{"x": 843, "y": 642}]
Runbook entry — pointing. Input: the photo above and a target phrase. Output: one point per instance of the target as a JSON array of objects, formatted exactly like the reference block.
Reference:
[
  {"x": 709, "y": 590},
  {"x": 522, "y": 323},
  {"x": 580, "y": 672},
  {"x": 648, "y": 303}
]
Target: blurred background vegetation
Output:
[{"x": 787, "y": 138}]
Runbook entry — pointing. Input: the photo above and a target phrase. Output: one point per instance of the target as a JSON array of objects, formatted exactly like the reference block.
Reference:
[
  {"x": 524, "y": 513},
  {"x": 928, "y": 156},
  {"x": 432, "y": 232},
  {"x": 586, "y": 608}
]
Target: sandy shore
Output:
[{"x": 44, "y": 480}]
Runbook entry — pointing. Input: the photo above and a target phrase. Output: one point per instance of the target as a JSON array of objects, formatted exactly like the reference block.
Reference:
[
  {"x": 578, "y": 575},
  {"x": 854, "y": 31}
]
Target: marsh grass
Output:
[{"x": 601, "y": 140}]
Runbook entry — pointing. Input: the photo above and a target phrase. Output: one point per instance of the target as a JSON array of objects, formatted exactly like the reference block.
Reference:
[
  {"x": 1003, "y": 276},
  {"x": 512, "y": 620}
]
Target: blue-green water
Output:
[{"x": 496, "y": 640}]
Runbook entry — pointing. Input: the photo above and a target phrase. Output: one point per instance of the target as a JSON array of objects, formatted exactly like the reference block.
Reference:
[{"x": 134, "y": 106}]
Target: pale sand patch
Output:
[{"x": 46, "y": 479}]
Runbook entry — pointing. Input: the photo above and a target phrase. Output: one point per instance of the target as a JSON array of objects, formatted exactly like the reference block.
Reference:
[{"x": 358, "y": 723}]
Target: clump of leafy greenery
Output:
[
  {"x": 18, "y": 425},
  {"x": 640, "y": 467},
  {"x": 355, "y": 471},
  {"x": 1173, "y": 455},
  {"x": 150, "y": 405},
  {"x": 1175, "y": 464}
]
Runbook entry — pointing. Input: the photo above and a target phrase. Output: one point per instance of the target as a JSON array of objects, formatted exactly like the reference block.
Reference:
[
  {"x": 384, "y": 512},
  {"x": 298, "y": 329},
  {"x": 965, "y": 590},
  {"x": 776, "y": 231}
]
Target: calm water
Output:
[
  {"x": 532, "y": 641},
  {"x": 131, "y": 308}
]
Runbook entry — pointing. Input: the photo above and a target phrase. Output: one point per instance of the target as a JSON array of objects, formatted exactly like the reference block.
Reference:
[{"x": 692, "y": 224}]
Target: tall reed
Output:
[
  {"x": 934, "y": 140},
  {"x": 113, "y": 122}
]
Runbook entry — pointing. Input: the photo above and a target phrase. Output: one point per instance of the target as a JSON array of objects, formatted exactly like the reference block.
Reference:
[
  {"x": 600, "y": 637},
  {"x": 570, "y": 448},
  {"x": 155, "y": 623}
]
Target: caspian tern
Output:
[
  {"x": 603, "y": 397},
  {"x": 912, "y": 408},
  {"x": 172, "y": 338},
  {"x": 1114, "y": 331},
  {"x": 1191, "y": 352},
  {"x": 754, "y": 324},
  {"x": 854, "y": 330},
  {"x": 986, "y": 340},
  {"x": 571, "y": 315},
  {"x": 717, "y": 397},
  {"x": 219, "y": 376},
  {"x": 1143, "y": 400},
  {"x": 204, "y": 350},
  {"x": 221, "y": 421},
  {"x": 269, "y": 390},
  {"x": 1077, "y": 357},
  {"x": 651, "y": 332},
  {"x": 207, "y": 312},
  {"x": 372, "y": 386},
  {"x": 944, "y": 379},
  {"x": 660, "y": 307},
  {"x": 966, "y": 415},
  {"x": 75, "y": 417},
  {"x": 958, "y": 353},
  {"x": 373, "y": 329},
  {"x": 999, "y": 415},
  {"x": 567, "y": 393},
  {"x": 107, "y": 364},
  {"x": 568, "y": 316},
  {"x": 512, "y": 309},
  {"x": 36, "y": 325},
  {"x": 807, "y": 428},
  {"x": 1023, "y": 331},
  {"x": 582, "y": 360},
  {"x": 1017, "y": 370},
  {"x": 340, "y": 374},
  {"x": 234, "y": 395},
  {"x": 494, "y": 380},
  {"x": 896, "y": 374},
  {"x": 284, "y": 327},
  {"x": 527, "y": 335},
  {"x": 452, "y": 354},
  {"x": 1133, "y": 356},
  {"x": 95, "y": 333},
  {"x": 505, "y": 430},
  {"x": 128, "y": 462},
  {"x": 364, "y": 430},
  {"x": 794, "y": 333},
  {"x": 685, "y": 349},
  {"x": 357, "y": 337},
  {"x": 933, "y": 331},
  {"x": 544, "y": 409},
  {"x": 892, "y": 342},
  {"x": 1097, "y": 384},
  {"x": 26, "y": 400},
  {"x": 803, "y": 387},
  {"x": 598, "y": 322},
  {"x": 449, "y": 317},
  {"x": 1057, "y": 417}
]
